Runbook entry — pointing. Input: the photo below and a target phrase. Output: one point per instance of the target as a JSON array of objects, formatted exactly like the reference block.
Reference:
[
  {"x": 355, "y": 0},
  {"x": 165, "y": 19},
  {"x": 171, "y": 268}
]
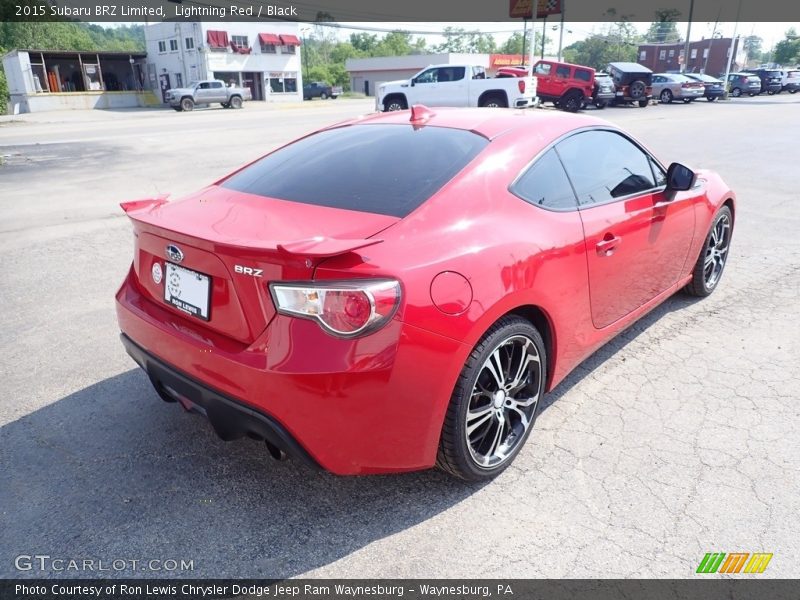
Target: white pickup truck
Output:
[{"x": 456, "y": 85}]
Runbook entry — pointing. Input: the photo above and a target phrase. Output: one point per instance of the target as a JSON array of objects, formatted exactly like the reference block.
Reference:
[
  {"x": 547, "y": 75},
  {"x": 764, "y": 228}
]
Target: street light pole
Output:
[
  {"x": 730, "y": 51},
  {"x": 688, "y": 34}
]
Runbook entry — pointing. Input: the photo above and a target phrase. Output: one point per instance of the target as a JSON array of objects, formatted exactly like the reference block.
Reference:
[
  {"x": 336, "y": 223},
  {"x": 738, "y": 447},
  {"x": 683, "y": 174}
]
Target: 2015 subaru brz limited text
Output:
[{"x": 400, "y": 290}]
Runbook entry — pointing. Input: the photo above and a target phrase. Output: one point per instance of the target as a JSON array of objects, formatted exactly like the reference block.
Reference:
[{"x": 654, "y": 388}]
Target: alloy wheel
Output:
[
  {"x": 503, "y": 401},
  {"x": 717, "y": 251}
]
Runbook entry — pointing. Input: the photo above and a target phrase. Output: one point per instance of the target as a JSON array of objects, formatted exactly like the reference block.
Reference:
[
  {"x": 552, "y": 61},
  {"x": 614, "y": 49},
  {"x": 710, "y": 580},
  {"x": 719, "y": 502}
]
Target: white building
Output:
[{"x": 263, "y": 56}]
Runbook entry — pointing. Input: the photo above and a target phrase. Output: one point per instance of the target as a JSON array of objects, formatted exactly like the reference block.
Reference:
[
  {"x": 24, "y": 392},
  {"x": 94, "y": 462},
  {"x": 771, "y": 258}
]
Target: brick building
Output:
[{"x": 705, "y": 56}]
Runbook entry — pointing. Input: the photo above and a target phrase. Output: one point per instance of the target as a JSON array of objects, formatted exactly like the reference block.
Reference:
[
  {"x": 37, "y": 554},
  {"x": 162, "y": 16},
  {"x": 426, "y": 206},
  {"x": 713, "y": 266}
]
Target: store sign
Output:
[{"x": 506, "y": 60}]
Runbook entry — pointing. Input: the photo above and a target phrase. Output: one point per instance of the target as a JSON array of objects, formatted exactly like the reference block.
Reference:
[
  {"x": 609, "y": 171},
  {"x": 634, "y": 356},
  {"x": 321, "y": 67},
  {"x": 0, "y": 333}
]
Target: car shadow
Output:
[{"x": 111, "y": 472}]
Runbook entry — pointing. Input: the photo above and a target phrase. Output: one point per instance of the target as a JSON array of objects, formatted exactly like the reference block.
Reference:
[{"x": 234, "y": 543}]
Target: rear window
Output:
[
  {"x": 384, "y": 169},
  {"x": 583, "y": 75}
]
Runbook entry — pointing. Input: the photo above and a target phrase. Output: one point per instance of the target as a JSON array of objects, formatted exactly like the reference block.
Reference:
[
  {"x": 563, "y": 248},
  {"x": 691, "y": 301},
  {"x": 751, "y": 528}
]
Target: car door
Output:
[
  {"x": 637, "y": 235},
  {"x": 424, "y": 88},
  {"x": 203, "y": 92},
  {"x": 658, "y": 84},
  {"x": 216, "y": 92},
  {"x": 452, "y": 87},
  {"x": 543, "y": 73}
]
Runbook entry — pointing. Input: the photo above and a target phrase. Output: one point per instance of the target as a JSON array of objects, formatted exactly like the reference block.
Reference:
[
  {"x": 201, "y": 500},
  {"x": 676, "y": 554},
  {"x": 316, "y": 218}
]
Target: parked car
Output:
[
  {"x": 410, "y": 304},
  {"x": 321, "y": 90},
  {"x": 209, "y": 91},
  {"x": 771, "y": 80},
  {"x": 566, "y": 85},
  {"x": 714, "y": 88},
  {"x": 456, "y": 85},
  {"x": 603, "y": 91},
  {"x": 674, "y": 86},
  {"x": 633, "y": 83},
  {"x": 744, "y": 83},
  {"x": 791, "y": 81}
]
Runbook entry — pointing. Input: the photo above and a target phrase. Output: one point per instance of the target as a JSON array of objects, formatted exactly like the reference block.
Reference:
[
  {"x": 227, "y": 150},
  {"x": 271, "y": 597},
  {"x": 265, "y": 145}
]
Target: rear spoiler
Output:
[{"x": 316, "y": 247}]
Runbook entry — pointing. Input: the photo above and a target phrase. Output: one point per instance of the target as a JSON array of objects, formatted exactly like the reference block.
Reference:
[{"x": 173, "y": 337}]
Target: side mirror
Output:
[
  {"x": 412, "y": 82},
  {"x": 680, "y": 178}
]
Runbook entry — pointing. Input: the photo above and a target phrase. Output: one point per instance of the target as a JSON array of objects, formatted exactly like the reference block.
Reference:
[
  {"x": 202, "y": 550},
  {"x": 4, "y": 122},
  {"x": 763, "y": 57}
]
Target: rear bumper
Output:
[
  {"x": 231, "y": 419},
  {"x": 367, "y": 405},
  {"x": 714, "y": 93}
]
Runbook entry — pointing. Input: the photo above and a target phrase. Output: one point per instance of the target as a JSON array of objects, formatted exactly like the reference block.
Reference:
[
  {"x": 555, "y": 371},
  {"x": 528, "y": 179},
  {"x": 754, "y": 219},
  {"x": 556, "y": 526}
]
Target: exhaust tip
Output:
[{"x": 275, "y": 452}]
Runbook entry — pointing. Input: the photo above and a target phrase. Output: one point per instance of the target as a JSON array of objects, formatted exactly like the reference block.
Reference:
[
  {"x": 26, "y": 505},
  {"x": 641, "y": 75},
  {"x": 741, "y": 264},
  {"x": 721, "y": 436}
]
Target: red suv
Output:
[{"x": 565, "y": 85}]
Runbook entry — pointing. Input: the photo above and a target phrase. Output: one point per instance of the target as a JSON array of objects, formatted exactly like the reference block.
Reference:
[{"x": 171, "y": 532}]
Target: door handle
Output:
[{"x": 608, "y": 244}]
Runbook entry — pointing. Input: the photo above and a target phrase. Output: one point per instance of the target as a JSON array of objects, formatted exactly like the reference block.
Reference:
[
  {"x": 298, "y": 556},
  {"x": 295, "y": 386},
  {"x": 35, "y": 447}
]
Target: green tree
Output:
[
  {"x": 616, "y": 42},
  {"x": 458, "y": 39},
  {"x": 3, "y": 90},
  {"x": 752, "y": 46},
  {"x": 787, "y": 51},
  {"x": 364, "y": 42},
  {"x": 664, "y": 28}
]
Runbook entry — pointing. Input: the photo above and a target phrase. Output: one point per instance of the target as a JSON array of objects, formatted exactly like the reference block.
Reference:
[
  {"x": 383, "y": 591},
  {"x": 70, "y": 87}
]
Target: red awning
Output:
[
  {"x": 289, "y": 40},
  {"x": 217, "y": 39},
  {"x": 269, "y": 38}
]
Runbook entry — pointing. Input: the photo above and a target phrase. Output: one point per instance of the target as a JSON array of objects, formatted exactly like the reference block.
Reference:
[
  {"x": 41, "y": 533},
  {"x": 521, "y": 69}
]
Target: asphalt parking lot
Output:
[{"x": 678, "y": 438}]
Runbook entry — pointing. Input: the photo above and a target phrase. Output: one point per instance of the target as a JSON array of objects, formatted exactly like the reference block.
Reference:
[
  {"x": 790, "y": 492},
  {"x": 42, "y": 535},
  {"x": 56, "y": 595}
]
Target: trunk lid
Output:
[{"x": 240, "y": 242}]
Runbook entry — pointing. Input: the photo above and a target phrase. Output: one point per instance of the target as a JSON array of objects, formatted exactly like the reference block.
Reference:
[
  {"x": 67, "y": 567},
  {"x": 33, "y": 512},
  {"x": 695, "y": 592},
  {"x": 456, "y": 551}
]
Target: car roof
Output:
[
  {"x": 490, "y": 122},
  {"x": 630, "y": 67}
]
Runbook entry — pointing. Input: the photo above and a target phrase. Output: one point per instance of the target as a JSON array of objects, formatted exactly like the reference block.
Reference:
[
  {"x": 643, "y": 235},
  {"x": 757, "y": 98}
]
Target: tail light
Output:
[
  {"x": 686, "y": 85},
  {"x": 343, "y": 309},
  {"x": 521, "y": 86}
]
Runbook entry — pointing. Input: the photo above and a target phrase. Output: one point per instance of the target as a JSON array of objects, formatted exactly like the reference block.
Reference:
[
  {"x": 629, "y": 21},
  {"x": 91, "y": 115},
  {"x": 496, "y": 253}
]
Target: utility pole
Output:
[
  {"x": 524, "y": 37},
  {"x": 730, "y": 52},
  {"x": 561, "y": 33},
  {"x": 688, "y": 34},
  {"x": 544, "y": 34}
]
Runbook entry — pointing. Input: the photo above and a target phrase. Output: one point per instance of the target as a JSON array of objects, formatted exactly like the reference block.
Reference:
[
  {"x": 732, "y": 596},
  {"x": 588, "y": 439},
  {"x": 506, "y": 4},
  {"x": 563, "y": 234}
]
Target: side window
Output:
[
  {"x": 216, "y": 84},
  {"x": 429, "y": 76},
  {"x": 205, "y": 85},
  {"x": 562, "y": 72},
  {"x": 659, "y": 173},
  {"x": 604, "y": 165},
  {"x": 451, "y": 74},
  {"x": 583, "y": 75},
  {"x": 542, "y": 69},
  {"x": 546, "y": 184},
  {"x": 478, "y": 73}
]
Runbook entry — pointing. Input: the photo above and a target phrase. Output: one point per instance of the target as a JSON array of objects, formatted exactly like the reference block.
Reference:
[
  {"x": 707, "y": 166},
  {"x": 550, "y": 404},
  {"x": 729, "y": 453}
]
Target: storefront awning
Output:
[
  {"x": 269, "y": 39},
  {"x": 217, "y": 39},
  {"x": 289, "y": 40}
]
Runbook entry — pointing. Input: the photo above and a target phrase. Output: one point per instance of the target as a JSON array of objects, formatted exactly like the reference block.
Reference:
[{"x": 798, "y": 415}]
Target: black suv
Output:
[
  {"x": 771, "y": 80},
  {"x": 633, "y": 83}
]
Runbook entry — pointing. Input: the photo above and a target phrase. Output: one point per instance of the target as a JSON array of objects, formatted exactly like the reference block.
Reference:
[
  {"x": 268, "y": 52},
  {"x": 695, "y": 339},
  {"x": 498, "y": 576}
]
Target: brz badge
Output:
[
  {"x": 174, "y": 253},
  {"x": 248, "y": 271}
]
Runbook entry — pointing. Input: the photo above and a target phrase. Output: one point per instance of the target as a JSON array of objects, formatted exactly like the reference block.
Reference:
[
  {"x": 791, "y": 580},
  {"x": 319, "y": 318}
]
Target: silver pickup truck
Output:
[{"x": 207, "y": 92}]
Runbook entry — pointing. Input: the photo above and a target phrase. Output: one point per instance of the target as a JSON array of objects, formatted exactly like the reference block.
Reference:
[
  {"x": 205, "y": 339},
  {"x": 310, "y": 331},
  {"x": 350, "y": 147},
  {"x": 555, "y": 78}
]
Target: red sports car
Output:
[{"x": 400, "y": 290}]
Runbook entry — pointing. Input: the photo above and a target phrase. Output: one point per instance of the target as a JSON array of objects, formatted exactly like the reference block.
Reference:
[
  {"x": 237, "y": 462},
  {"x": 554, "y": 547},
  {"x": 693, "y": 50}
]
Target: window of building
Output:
[
  {"x": 179, "y": 79},
  {"x": 694, "y": 53},
  {"x": 671, "y": 53},
  {"x": 662, "y": 54},
  {"x": 288, "y": 49},
  {"x": 162, "y": 47},
  {"x": 643, "y": 55},
  {"x": 546, "y": 184},
  {"x": 705, "y": 52},
  {"x": 269, "y": 49},
  {"x": 283, "y": 83},
  {"x": 189, "y": 43},
  {"x": 173, "y": 45},
  {"x": 239, "y": 41}
]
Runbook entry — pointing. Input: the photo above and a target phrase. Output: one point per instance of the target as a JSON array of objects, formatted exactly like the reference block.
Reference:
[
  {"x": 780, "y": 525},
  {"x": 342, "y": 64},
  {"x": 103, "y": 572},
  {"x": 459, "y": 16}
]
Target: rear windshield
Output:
[{"x": 384, "y": 169}]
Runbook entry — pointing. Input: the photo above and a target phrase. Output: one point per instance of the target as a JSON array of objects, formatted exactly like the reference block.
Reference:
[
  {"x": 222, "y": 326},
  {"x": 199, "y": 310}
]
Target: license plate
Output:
[{"x": 187, "y": 290}]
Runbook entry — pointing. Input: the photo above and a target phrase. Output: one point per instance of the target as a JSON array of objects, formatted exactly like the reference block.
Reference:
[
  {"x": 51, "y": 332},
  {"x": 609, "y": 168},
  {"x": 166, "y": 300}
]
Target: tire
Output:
[
  {"x": 600, "y": 104},
  {"x": 687, "y": 100},
  {"x": 637, "y": 90},
  {"x": 393, "y": 103},
  {"x": 494, "y": 101},
  {"x": 770, "y": 92},
  {"x": 736, "y": 92},
  {"x": 793, "y": 91},
  {"x": 225, "y": 105},
  {"x": 236, "y": 102},
  {"x": 665, "y": 97},
  {"x": 484, "y": 448},
  {"x": 643, "y": 103},
  {"x": 572, "y": 101},
  {"x": 751, "y": 94},
  {"x": 713, "y": 256},
  {"x": 187, "y": 104},
  {"x": 323, "y": 96},
  {"x": 711, "y": 98}
]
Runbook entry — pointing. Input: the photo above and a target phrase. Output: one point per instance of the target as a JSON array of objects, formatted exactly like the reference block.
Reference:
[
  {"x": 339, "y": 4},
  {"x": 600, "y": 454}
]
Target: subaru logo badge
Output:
[{"x": 174, "y": 253}]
